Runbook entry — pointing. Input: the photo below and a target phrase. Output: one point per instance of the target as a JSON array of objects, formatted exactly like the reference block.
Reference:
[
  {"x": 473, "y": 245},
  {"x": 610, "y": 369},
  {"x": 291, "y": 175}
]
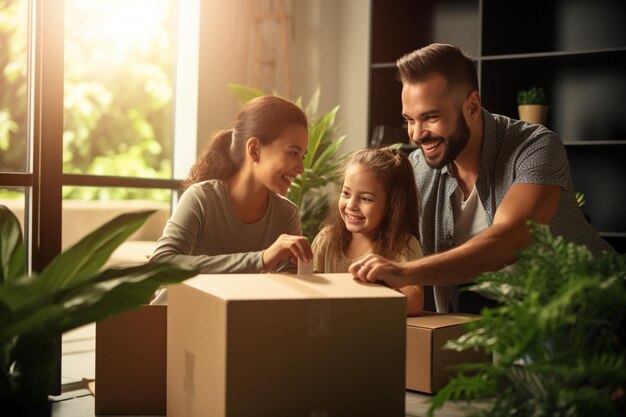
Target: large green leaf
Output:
[
  {"x": 20, "y": 294},
  {"x": 34, "y": 310},
  {"x": 244, "y": 93},
  {"x": 12, "y": 257},
  {"x": 94, "y": 298},
  {"x": 84, "y": 258},
  {"x": 120, "y": 290},
  {"x": 90, "y": 253},
  {"x": 317, "y": 133},
  {"x": 325, "y": 160},
  {"x": 311, "y": 108}
]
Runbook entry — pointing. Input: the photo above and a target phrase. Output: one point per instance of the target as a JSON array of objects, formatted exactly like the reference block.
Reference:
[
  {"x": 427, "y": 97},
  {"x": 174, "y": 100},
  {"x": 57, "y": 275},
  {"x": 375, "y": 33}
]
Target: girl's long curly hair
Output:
[
  {"x": 394, "y": 170},
  {"x": 264, "y": 117}
]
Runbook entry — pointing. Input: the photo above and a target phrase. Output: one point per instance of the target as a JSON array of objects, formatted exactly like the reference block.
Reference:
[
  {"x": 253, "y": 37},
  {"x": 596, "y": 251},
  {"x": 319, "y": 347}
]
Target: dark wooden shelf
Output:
[
  {"x": 576, "y": 50},
  {"x": 613, "y": 234},
  {"x": 553, "y": 54},
  {"x": 594, "y": 142}
]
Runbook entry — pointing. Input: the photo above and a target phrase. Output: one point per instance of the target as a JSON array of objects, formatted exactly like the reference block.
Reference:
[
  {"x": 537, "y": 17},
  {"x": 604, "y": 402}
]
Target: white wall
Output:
[
  {"x": 225, "y": 43},
  {"x": 353, "y": 70},
  {"x": 329, "y": 47}
]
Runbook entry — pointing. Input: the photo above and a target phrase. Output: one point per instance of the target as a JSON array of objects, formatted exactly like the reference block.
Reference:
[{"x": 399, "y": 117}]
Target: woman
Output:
[{"x": 233, "y": 216}]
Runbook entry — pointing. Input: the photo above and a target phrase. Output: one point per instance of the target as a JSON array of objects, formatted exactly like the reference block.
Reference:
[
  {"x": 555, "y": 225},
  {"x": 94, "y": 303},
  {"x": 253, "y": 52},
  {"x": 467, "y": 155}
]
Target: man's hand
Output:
[{"x": 375, "y": 268}]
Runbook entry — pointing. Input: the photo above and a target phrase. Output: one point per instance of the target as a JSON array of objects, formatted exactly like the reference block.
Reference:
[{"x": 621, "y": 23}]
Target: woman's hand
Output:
[{"x": 297, "y": 247}]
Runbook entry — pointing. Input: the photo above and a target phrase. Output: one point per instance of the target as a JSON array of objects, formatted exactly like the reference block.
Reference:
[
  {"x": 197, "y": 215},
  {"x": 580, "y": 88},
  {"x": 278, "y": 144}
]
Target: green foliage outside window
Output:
[
  {"x": 13, "y": 46},
  {"x": 117, "y": 109}
]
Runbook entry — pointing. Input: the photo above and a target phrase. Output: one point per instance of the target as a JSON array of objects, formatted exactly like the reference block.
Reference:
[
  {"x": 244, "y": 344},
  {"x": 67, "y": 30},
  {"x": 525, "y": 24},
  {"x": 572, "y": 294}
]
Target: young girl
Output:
[
  {"x": 377, "y": 204},
  {"x": 233, "y": 216}
]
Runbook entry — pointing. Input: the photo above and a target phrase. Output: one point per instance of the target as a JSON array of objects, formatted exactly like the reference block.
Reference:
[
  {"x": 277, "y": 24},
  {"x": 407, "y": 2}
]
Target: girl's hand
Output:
[{"x": 287, "y": 245}]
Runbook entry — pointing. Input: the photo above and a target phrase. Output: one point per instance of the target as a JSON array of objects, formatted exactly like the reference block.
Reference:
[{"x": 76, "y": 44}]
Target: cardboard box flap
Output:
[
  {"x": 429, "y": 366},
  {"x": 234, "y": 287},
  {"x": 428, "y": 320}
]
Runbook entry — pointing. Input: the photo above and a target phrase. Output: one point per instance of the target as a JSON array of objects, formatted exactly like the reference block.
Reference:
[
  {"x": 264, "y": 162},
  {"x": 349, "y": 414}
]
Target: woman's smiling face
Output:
[{"x": 282, "y": 159}]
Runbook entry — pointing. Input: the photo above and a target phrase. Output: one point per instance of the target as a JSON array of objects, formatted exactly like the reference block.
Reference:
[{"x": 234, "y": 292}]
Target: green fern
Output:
[{"x": 557, "y": 335}]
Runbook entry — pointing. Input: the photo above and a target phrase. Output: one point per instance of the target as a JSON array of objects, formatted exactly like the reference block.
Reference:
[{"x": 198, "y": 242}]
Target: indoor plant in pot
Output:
[
  {"x": 35, "y": 309},
  {"x": 532, "y": 105},
  {"x": 558, "y": 335}
]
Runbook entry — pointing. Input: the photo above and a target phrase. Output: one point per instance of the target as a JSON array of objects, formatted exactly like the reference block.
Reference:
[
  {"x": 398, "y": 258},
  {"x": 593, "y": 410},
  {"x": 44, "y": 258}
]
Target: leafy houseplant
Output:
[
  {"x": 321, "y": 163},
  {"x": 71, "y": 291},
  {"x": 558, "y": 335},
  {"x": 533, "y": 105},
  {"x": 534, "y": 95}
]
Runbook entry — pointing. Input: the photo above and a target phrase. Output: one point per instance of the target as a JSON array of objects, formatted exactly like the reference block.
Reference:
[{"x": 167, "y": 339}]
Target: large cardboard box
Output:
[
  {"x": 131, "y": 362},
  {"x": 285, "y": 345},
  {"x": 427, "y": 363}
]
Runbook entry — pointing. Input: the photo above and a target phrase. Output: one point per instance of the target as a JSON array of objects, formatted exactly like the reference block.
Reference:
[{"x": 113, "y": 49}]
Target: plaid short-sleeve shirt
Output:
[{"x": 513, "y": 152}]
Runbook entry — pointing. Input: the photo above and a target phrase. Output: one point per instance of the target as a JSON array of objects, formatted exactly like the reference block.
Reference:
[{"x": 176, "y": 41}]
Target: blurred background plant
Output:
[
  {"x": 557, "y": 336},
  {"x": 534, "y": 95},
  {"x": 321, "y": 163}
]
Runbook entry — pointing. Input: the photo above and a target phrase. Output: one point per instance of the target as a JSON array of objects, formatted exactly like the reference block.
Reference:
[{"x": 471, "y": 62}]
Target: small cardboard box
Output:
[
  {"x": 285, "y": 345},
  {"x": 130, "y": 362},
  {"x": 427, "y": 363}
]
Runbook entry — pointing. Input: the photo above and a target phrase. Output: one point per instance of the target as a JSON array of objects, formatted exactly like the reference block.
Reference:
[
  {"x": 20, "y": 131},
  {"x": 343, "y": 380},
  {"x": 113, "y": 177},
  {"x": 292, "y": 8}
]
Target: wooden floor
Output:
[{"x": 79, "y": 365}]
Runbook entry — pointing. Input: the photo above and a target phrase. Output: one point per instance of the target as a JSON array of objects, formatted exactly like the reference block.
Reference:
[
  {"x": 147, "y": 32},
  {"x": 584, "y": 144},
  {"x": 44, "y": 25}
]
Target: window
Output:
[{"x": 98, "y": 103}]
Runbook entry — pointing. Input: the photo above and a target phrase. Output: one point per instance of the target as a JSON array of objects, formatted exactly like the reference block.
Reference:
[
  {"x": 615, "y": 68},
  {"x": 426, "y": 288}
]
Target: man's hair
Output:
[{"x": 448, "y": 60}]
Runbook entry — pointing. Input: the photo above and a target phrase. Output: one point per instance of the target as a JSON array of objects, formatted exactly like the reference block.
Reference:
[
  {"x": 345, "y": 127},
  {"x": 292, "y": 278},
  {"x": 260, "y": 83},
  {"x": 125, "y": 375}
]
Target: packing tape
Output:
[{"x": 319, "y": 318}]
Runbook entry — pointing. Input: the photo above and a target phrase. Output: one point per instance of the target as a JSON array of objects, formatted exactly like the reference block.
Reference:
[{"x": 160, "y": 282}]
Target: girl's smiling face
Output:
[{"x": 363, "y": 201}]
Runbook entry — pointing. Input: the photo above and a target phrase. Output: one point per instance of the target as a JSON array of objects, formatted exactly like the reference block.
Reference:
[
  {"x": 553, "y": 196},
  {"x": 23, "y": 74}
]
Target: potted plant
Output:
[
  {"x": 532, "y": 105},
  {"x": 70, "y": 292},
  {"x": 321, "y": 164},
  {"x": 558, "y": 336}
]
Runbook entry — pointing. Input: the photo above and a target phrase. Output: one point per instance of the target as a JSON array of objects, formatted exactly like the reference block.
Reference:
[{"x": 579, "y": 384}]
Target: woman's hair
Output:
[
  {"x": 393, "y": 169},
  {"x": 447, "y": 60},
  {"x": 264, "y": 117}
]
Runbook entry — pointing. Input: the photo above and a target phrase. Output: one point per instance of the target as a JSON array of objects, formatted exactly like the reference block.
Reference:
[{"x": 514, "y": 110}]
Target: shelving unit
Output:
[{"x": 575, "y": 49}]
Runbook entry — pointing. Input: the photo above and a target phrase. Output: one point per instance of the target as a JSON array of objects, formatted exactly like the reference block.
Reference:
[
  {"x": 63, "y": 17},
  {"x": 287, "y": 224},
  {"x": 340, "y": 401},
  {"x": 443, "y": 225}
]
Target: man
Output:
[{"x": 481, "y": 177}]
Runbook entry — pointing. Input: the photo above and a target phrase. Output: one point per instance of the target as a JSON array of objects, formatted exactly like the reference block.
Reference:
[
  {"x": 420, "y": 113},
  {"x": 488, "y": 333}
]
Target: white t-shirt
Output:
[{"x": 469, "y": 216}]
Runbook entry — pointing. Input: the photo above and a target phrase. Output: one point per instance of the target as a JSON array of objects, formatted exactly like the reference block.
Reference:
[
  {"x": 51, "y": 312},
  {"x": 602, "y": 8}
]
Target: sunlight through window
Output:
[{"x": 119, "y": 87}]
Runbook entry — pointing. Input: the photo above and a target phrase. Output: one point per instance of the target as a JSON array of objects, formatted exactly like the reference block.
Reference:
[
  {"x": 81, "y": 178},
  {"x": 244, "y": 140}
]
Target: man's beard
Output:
[{"x": 454, "y": 145}]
